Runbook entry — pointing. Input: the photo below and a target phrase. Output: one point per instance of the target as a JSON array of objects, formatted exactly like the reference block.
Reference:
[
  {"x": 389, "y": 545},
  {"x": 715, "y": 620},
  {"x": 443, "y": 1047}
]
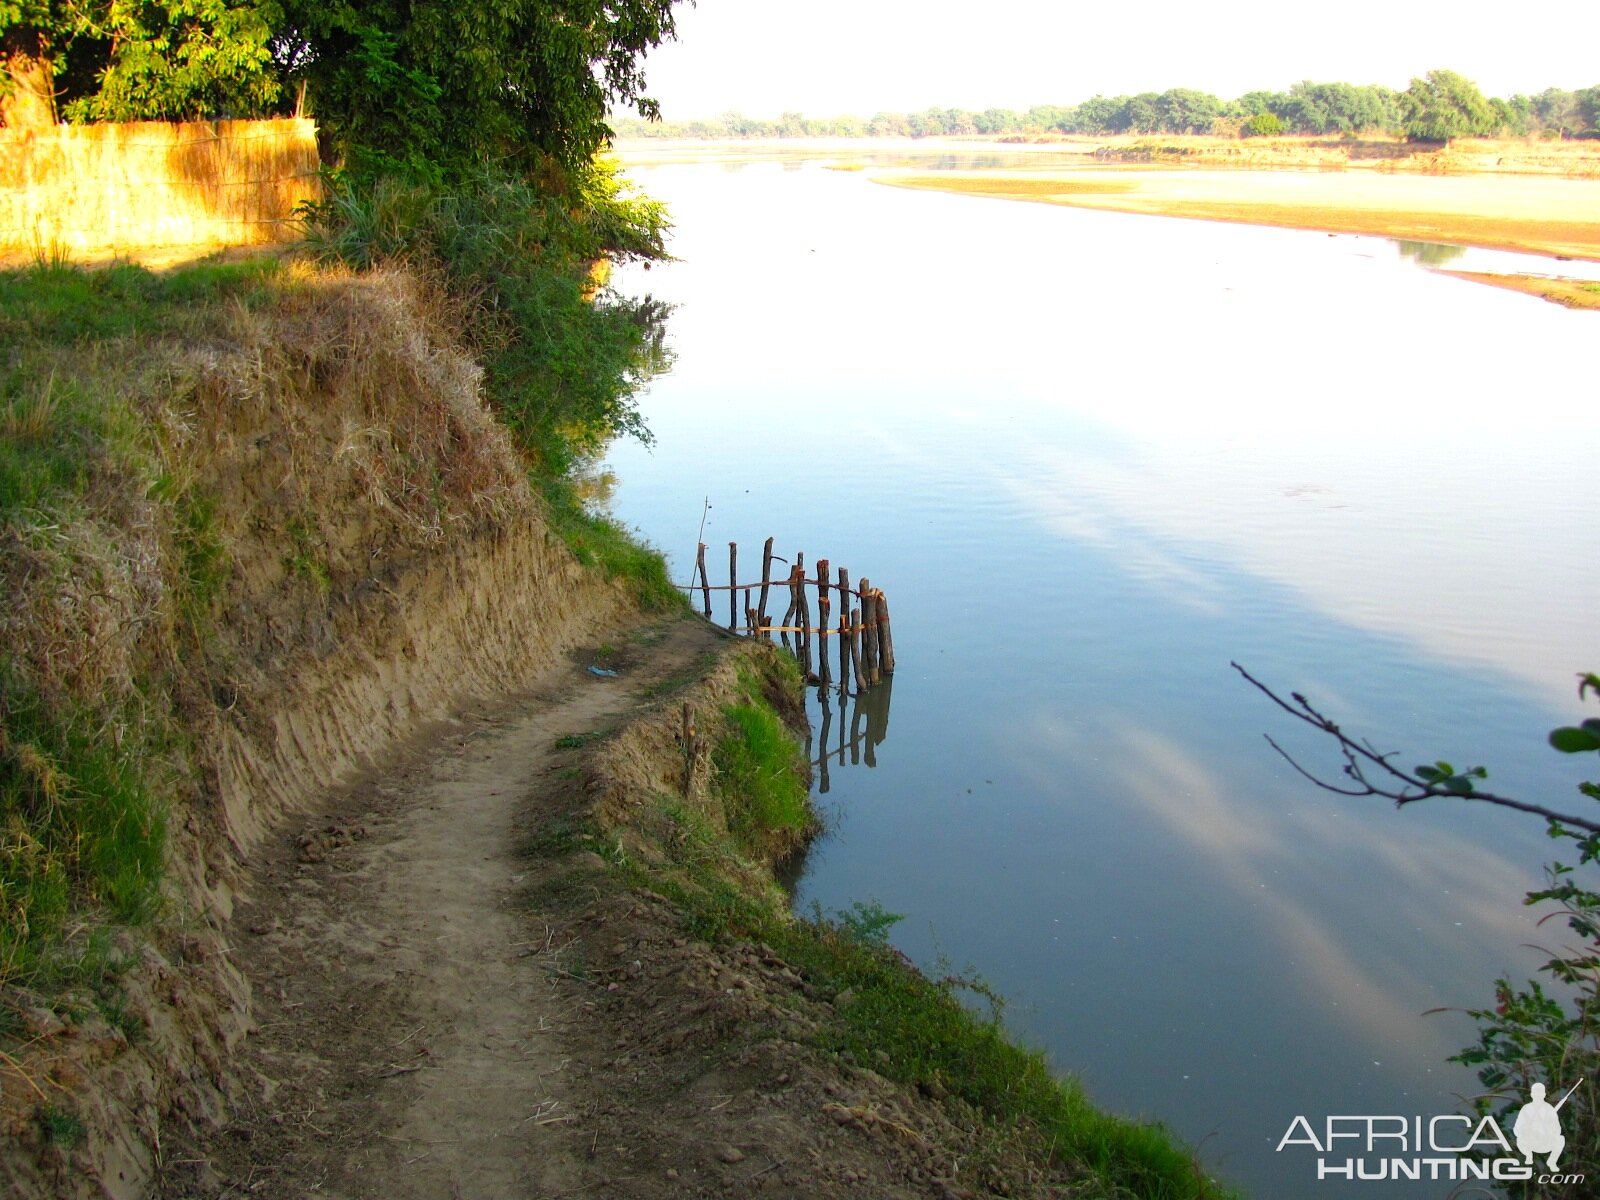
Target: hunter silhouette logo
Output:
[
  {"x": 1446, "y": 1146},
  {"x": 1538, "y": 1126}
]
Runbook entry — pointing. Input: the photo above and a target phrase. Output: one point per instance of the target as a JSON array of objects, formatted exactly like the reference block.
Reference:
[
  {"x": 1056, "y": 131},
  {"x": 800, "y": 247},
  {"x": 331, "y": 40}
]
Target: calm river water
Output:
[{"x": 1092, "y": 457}]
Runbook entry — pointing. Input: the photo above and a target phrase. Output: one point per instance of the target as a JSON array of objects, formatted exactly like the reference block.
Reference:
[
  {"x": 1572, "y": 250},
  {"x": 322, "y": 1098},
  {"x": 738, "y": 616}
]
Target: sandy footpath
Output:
[{"x": 447, "y": 1011}]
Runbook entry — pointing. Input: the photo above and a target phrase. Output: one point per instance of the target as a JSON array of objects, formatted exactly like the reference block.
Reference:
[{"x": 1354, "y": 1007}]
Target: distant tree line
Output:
[{"x": 1436, "y": 107}]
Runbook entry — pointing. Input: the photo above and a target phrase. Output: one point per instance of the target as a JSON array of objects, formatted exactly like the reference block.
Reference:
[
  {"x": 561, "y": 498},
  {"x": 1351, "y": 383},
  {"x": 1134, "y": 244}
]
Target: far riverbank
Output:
[{"x": 1558, "y": 217}]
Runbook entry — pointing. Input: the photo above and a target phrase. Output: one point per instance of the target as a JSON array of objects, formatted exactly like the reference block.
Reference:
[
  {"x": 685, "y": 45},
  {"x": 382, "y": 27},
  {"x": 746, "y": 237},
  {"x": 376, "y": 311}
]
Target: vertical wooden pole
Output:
[
  {"x": 733, "y": 586},
  {"x": 691, "y": 749},
  {"x": 824, "y": 671},
  {"x": 855, "y": 649},
  {"x": 869, "y": 635},
  {"x": 705, "y": 583},
  {"x": 803, "y": 618},
  {"x": 766, "y": 576},
  {"x": 885, "y": 639},
  {"x": 844, "y": 634}
]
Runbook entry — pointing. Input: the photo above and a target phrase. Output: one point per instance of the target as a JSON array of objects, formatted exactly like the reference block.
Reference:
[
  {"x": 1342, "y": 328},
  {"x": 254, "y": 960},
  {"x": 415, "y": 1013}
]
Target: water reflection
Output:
[
  {"x": 863, "y": 715},
  {"x": 1079, "y": 803},
  {"x": 1429, "y": 254}
]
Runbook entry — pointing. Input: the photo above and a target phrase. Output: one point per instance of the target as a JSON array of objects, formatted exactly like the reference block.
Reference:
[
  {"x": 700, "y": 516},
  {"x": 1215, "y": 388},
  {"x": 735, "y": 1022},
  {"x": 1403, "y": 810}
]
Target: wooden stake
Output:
[
  {"x": 869, "y": 635},
  {"x": 705, "y": 582},
  {"x": 691, "y": 749},
  {"x": 824, "y": 671},
  {"x": 766, "y": 576},
  {"x": 733, "y": 586},
  {"x": 803, "y": 620},
  {"x": 855, "y": 649},
  {"x": 885, "y": 639},
  {"x": 844, "y": 633}
]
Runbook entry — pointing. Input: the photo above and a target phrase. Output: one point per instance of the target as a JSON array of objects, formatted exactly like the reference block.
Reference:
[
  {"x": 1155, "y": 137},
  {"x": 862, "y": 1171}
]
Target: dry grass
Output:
[
  {"x": 193, "y": 463},
  {"x": 84, "y": 190}
]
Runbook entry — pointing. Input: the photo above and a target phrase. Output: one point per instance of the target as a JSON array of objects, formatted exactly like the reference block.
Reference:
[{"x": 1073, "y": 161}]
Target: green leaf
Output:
[
  {"x": 1428, "y": 774},
  {"x": 1571, "y": 740},
  {"x": 1458, "y": 785}
]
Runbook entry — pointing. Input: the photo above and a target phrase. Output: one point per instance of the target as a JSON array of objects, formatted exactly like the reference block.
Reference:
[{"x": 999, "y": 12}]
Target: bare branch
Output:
[{"x": 1403, "y": 787}]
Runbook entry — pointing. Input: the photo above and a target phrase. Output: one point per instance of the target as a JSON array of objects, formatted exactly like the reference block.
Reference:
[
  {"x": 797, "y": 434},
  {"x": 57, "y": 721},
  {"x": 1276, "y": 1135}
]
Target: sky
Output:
[{"x": 831, "y": 57}]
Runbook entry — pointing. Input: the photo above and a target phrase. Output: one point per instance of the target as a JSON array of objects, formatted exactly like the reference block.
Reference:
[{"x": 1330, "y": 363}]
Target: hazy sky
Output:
[{"x": 827, "y": 57}]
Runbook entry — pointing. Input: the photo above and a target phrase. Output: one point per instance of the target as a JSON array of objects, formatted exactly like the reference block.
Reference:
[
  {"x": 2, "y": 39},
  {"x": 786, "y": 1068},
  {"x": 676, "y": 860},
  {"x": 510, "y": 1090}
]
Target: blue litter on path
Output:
[{"x": 602, "y": 672}]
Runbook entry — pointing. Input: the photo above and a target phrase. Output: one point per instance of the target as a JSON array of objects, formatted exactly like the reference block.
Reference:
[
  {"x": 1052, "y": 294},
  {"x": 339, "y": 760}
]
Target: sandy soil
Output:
[{"x": 1542, "y": 215}]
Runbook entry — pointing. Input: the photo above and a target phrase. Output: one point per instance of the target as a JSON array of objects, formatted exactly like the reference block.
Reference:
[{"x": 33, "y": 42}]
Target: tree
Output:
[
  {"x": 1529, "y": 1035},
  {"x": 1557, "y": 111},
  {"x": 413, "y": 84},
  {"x": 1263, "y": 124},
  {"x": 149, "y": 60},
  {"x": 409, "y": 82},
  {"x": 1443, "y": 105},
  {"x": 1185, "y": 110}
]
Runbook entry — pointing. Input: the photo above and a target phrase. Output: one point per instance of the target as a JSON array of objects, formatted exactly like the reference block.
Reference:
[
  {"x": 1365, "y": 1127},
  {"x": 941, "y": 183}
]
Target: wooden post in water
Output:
[
  {"x": 855, "y": 649},
  {"x": 823, "y": 669},
  {"x": 885, "y": 640},
  {"x": 844, "y": 632},
  {"x": 803, "y": 615},
  {"x": 869, "y": 635},
  {"x": 766, "y": 577},
  {"x": 705, "y": 583},
  {"x": 733, "y": 586}
]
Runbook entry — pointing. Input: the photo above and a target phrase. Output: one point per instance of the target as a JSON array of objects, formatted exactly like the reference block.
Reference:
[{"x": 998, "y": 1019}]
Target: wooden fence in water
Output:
[{"x": 861, "y": 632}]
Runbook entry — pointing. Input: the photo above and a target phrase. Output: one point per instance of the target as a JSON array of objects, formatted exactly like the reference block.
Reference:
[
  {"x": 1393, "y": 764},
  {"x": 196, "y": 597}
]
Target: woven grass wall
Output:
[{"x": 121, "y": 188}]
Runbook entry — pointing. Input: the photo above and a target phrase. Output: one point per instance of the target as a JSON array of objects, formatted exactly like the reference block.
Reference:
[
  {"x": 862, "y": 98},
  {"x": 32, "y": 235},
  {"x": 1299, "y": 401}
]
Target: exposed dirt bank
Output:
[
  {"x": 386, "y": 564},
  {"x": 1543, "y": 216}
]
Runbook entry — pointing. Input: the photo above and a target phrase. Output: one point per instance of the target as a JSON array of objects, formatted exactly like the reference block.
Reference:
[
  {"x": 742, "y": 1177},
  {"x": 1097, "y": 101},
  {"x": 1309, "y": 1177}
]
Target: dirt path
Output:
[{"x": 416, "y": 1028}]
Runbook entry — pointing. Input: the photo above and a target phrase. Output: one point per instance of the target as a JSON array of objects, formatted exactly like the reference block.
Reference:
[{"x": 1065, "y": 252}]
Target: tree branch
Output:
[{"x": 1363, "y": 764}]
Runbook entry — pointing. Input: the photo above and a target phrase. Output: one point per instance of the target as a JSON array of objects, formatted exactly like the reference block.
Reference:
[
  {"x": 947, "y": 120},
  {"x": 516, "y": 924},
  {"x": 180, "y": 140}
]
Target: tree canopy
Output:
[
  {"x": 427, "y": 85},
  {"x": 1444, "y": 105}
]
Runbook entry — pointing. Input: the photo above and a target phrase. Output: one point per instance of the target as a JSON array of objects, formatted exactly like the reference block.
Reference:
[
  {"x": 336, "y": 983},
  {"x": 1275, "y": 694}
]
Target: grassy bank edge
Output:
[{"x": 714, "y": 867}]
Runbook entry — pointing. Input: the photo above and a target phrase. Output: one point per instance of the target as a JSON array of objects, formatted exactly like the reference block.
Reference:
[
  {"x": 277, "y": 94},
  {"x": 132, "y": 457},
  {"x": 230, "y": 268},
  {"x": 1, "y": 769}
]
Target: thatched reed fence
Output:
[
  {"x": 865, "y": 644},
  {"x": 83, "y": 190}
]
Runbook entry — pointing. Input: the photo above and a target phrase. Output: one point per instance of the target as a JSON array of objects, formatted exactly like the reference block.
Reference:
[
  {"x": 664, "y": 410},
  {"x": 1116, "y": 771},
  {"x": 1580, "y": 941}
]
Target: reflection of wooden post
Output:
[
  {"x": 766, "y": 576},
  {"x": 705, "y": 584},
  {"x": 824, "y": 671},
  {"x": 733, "y": 586},
  {"x": 869, "y": 635},
  {"x": 822, "y": 741},
  {"x": 885, "y": 640},
  {"x": 855, "y": 649}
]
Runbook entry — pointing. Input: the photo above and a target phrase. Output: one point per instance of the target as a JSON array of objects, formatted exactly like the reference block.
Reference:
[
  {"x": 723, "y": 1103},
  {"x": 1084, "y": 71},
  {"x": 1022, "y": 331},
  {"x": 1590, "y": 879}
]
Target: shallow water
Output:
[{"x": 1092, "y": 458}]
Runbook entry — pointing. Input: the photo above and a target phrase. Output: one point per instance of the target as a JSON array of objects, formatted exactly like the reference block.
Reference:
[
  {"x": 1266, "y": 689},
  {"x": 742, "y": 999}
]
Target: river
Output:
[{"x": 1092, "y": 458}]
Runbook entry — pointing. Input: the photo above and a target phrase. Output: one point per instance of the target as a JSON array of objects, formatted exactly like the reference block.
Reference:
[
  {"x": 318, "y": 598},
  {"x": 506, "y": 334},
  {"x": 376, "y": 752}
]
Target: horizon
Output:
[{"x": 900, "y": 57}]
